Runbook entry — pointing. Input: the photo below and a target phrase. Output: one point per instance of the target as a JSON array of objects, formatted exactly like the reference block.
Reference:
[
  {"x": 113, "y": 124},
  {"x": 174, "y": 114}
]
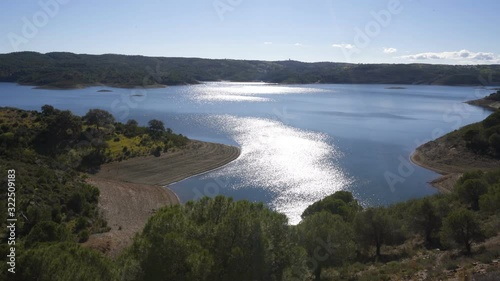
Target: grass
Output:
[{"x": 121, "y": 147}]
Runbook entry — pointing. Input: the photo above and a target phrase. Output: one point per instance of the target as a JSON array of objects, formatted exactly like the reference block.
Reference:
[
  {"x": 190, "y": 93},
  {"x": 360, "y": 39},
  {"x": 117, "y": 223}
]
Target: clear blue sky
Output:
[{"x": 364, "y": 31}]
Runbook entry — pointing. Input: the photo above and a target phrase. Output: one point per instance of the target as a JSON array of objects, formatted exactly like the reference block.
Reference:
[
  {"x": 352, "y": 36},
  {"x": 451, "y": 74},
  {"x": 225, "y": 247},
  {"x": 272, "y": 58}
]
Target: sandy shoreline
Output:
[{"x": 132, "y": 190}]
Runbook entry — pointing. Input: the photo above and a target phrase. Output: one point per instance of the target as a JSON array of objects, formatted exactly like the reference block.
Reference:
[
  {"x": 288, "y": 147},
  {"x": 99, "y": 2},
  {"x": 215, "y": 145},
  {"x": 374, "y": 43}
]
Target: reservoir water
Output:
[{"x": 299, "y": 143}]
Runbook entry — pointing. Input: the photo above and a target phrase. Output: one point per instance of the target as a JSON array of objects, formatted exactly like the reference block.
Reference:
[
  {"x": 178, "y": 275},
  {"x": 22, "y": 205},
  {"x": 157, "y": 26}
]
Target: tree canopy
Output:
[
  {"x": 213, "y": 239},
  {"x": 68, "y": 70}
]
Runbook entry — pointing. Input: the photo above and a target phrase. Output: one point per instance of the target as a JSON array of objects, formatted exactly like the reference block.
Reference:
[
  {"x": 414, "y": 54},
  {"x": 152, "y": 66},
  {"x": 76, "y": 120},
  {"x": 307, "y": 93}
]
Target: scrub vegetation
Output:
[{"x": 436, "y": 237}]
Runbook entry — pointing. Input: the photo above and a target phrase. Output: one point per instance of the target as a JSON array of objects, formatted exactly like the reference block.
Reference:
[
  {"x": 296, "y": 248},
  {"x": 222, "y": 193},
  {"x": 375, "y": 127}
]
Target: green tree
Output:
[
  {"x": 48, "y": 231},
  {"x": 341, "y": 203},
  {"x": 156, "y": 128},
  {"x": 48, "y": 110},
  {"x": 461, "y": 227},
  {"x": 99, "y": 118},
  {"x": 374, "y": 227},
  {"x": 213, "y": 239},
  {"x": 492, "y": 120},
  {"x": 131, "y": 128},
  {"x": 63, "y": 261},
  {"x": 470, "y": 190},
  {"x": 494, "y": 141},
  {"x": 61, "y": 130},
  {"x": 490, "y": 201},
  {"x": 425, "y": 219},
  {"x": 328, "y": 240}
]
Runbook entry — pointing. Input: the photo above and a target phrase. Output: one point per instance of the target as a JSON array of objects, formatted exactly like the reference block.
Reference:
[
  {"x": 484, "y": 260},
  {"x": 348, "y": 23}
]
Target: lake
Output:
[{"x": 299, "y": 143}]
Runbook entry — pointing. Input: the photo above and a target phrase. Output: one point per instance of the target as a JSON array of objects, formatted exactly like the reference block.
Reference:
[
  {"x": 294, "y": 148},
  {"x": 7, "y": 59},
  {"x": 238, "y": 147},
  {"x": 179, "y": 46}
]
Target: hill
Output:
[
  {"x": 491, "y": 102},
  {"x": 476, "y": 146},
  {"x": 68, "y": 70},
  {"x": 219, "y": 238}
]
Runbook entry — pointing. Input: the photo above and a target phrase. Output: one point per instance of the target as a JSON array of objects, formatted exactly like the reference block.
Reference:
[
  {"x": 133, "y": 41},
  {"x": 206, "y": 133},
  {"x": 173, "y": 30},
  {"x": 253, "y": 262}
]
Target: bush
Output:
[
  {"x": 341, "y": 203},
  {"x": 470, "y": 191},
  {"x": 461, "y": 227},
  {"x": 157, "y": 151},
  {"x": 48, "y": 231},
  {"x": 62, "y": 262}
]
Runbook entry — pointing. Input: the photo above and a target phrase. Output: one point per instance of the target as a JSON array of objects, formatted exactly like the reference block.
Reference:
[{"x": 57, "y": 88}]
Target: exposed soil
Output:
[
  {"x": 197, "y": 157},
  {"x": 448, "y": 156},
  {"x": 132, "y": 190}
]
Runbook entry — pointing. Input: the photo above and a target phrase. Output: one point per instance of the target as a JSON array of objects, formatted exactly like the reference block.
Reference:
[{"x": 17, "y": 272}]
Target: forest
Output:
[
  {"x": 68, "y": 70},
  {"x": 219, "y": 238}
]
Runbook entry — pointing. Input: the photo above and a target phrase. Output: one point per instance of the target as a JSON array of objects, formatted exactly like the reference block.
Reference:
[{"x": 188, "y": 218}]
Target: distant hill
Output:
[{"x": 68, "y": 70}]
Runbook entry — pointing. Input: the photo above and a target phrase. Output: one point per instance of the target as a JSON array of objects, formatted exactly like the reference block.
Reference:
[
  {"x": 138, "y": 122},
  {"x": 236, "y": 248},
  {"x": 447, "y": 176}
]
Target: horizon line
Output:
[{"x": 263, "y": 60}]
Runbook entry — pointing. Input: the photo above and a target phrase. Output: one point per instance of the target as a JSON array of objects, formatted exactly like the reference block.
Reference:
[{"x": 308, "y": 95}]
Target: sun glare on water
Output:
[
  {"x": 243, "y": 92},
  {"x": 298, "y": 167}
]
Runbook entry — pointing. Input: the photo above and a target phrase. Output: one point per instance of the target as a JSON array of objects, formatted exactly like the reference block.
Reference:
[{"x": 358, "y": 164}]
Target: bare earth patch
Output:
[
  {"x": 448, "y": 156},
  {"x": 197, "y": 157},
  {"x": 132, "y": 190}
]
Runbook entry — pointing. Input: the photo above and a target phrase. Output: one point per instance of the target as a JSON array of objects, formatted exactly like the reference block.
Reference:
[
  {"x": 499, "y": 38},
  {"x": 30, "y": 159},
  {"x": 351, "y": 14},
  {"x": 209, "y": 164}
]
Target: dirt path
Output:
[{"x": 132, "y": 190}]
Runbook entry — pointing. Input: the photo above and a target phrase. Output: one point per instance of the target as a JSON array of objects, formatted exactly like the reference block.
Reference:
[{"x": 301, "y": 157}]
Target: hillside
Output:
[
  {"x": 68, "y": 70},
  {"x": 492, "y": 101},
  {"x": 476, "y": 146},
  {"x": 218, "y": 238}
]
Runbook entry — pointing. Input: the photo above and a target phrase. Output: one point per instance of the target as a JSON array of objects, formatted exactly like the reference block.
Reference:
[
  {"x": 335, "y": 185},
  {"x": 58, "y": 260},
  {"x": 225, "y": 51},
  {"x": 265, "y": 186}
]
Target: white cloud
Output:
[
  {"x": 268, "y": 43},
  {"x": 462, "y": 55},
  {"x": 343, "y": 46},
  {"x": 390, "y": 50},
  {"x": 297, "y": 44}
]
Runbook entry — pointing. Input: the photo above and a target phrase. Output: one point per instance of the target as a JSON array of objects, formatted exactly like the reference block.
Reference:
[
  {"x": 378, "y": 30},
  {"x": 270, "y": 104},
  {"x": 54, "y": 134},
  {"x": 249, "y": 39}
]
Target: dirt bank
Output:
[{"x": 132, "y": 190}]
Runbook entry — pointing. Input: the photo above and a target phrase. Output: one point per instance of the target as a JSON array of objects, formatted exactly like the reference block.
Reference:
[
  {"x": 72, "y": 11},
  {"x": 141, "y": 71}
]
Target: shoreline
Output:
[
  {"x": 444, "y": 183},
  {"x": 448, "y": 156},
  {"x": 159, "y": 86},
  {"x": 132, "y": 190}
]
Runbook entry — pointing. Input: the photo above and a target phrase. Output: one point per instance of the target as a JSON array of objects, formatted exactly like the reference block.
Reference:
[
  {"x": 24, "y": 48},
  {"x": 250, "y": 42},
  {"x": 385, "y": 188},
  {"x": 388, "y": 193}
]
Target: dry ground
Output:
[{"x": 132, "y": 190}]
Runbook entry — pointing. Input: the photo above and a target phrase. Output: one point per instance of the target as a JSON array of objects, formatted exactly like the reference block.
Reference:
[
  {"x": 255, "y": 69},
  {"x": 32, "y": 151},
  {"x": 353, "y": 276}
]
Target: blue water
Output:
[{"x": 299, "y": 143}]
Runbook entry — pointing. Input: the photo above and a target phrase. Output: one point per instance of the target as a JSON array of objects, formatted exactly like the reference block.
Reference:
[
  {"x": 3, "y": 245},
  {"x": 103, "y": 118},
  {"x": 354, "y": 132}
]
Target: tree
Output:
[
  {"x": 341, "y": 203},
  {"x": 213, "y": 239},
  {"x": 156, "y": 128},
  {"x": 61, "y": 129},
  {"x": 374, "y": 227},
  {"x": 98, "y": 118},
  {"x": 425, "y": 218},
  {"x": 470, "y": 191},
  {"x": 48, "y": 110},
  {"x": 492, "y": 120},
  {"x": 328, "y": 240},
  {"x": 461, "y": 227},
  {"x": 64, "y": 261},
  {"x": 48, "y": 231},
  {"x": 494, "y": 141},
  {"x": 490, "y": 202},
  {"x": 131, "y": 128}
]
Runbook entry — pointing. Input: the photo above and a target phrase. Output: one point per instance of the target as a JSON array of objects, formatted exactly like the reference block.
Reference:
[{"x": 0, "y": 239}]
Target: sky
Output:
[{"x": 355, "y": 31}]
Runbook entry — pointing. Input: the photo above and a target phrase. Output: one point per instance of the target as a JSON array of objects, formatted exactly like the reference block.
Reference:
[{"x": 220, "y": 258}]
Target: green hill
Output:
[{"x": 68, "y": 70}]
